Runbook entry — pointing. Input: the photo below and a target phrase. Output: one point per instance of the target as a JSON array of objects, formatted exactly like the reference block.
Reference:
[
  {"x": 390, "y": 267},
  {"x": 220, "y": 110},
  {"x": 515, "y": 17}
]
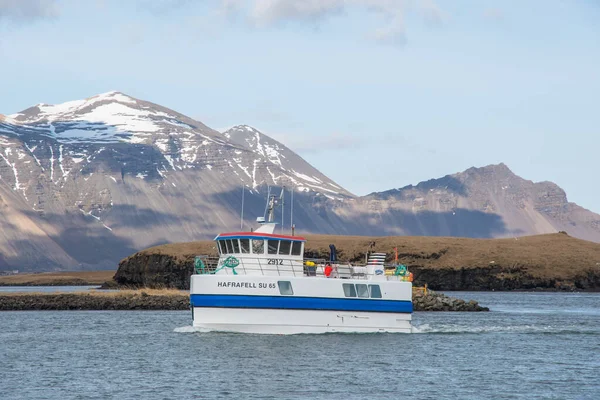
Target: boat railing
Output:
[{"x": 284, "y": 267}]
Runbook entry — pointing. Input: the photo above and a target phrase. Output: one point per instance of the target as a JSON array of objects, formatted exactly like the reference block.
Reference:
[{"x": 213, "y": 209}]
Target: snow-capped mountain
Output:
[
  {"x": 96, "y": 173},
  {"x": 88, "y": 182},
  {"x": 114, "y": 118}
]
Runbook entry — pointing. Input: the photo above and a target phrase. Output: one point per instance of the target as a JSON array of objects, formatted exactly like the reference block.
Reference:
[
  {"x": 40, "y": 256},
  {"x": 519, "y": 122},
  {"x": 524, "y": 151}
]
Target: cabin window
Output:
[
  {"x": 285, "y": 288},
  {"x": 245, "y": 246},
  {"x": 228, "y": 246},
  {"x": 258, "y": 246},
  {"x": 296, "y": 248},
  {"x": 273, "y": 245},
  {"x": 284, "y": 247},
  {"x": 375, "y": 291},
  {"x": 236, "y": 245},
  {"x": 362, "y": 290},
  {"x": 222, "y": 249},
  {"x": 349, "y": 290}
]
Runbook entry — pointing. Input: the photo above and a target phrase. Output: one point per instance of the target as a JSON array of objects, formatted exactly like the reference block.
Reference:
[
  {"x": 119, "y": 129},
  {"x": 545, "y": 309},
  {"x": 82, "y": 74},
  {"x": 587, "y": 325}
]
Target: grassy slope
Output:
[
  {"x": 552, "y": 255},
  {"x": 82, "y": 278}
]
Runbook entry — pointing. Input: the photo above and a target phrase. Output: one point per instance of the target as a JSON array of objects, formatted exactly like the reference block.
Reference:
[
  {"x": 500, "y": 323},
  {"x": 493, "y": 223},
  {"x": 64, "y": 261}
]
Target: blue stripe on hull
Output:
[{"x": 300, "y": 303}]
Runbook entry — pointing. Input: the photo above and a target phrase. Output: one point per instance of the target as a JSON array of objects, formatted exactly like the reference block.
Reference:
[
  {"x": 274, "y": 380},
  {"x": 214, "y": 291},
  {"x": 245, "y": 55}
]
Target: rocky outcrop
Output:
[
  {"x": 154, "y": 271},
  {"x": 440, "y": 302},
  {"x": 502, "y": 278},
  {"x": 160, "y": 267}
]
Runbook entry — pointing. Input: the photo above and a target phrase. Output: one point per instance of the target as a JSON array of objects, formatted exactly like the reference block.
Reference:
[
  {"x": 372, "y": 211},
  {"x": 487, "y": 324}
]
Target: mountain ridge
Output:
[{"x": 88, "y": 182}]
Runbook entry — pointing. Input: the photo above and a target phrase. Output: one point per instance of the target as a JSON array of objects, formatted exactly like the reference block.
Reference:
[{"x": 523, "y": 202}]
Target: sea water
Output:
[
  {"x": 530, "y": 346},
  {"x": 46, "y": 289}
]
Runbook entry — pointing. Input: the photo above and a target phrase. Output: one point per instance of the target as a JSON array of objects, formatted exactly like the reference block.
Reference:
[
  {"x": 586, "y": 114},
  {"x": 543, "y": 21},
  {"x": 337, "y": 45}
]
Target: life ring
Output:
[
  {"x": 230, "y": 262},
  {"x": 401, "y": 270}
]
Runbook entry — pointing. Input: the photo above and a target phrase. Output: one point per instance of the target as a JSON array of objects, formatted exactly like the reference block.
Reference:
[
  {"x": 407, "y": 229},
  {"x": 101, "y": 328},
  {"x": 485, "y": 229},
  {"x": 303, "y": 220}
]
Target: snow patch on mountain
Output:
[
  {"x": 284, "y": 167},
  {"x": 119, "y": 136}
]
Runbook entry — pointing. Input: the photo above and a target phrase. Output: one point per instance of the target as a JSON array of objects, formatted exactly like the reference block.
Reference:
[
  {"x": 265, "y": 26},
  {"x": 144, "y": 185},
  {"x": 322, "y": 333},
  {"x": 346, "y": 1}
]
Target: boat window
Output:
[
  {"x": 362, "y": 290},
  {"x": 375, "y": 291},
  {"x": 284, "y": 247},
  {"x": 236, "y": 245},
  {"x": 228, "y": 246},
  {"x": 222, "y": 249},
  {"x": 349, "y": 290},
  {"x": 245, "y": 245},
  {"x": 273, "y": 244},
  {"x": 258, "y": 246},
  {"x": 285, "y": 288},
  {"x": 296, "y": 248}
]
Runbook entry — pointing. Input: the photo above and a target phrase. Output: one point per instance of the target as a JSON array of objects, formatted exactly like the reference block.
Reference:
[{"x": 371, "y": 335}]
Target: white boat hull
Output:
[{"x": 262, "y": 321}]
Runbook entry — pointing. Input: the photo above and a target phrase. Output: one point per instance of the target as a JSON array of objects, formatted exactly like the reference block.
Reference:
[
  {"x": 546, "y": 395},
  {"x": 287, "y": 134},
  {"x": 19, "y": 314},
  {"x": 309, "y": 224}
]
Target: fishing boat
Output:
[{"x": 262, "y": 283}]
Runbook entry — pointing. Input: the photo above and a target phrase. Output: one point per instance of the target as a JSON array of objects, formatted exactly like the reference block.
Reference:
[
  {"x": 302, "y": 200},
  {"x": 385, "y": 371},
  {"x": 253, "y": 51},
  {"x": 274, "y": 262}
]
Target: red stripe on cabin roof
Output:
[{"x": 259, "y": 234}]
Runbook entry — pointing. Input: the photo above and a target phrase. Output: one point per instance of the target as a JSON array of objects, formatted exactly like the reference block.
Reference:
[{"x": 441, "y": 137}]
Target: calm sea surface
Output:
[
  {"x": 46, "y": 289},
  {"x": 531, "y": 346}
]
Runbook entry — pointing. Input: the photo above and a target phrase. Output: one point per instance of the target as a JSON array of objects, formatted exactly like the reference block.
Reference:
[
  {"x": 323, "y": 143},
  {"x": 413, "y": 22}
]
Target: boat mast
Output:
[
  {"x": 242, "y": 216},
  {"x": 282, "y": 206},
  {"x": 267, "y": 204},
  {"x": 292, "y": 210},
  {"x": 271, "y": 209}
]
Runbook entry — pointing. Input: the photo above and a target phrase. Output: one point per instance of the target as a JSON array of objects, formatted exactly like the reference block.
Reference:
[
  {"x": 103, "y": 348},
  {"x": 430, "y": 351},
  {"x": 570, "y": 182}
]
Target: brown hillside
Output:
[
  {"x": 79, "y": 278},
  {"x": 552, "y": 255},
  {"x": 553, "y": 261}
]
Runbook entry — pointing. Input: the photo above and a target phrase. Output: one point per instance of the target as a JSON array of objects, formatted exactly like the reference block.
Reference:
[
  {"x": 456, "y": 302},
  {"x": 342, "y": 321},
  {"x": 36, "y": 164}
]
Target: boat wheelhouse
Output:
[
  {"x": 260, "y": 253},
  {"x": 261, "y": 283}
]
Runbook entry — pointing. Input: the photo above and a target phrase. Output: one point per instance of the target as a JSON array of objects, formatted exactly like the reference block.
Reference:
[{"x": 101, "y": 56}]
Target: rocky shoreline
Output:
[
  {"x": 141, "y": 300},
  {"x": 86, "y": 301},
  {"x": 440, "y": 302}
]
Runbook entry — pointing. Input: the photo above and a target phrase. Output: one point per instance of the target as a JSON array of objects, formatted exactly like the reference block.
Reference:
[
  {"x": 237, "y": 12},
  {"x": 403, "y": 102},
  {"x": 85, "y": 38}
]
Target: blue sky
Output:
[{"x": 377, "y": 94}]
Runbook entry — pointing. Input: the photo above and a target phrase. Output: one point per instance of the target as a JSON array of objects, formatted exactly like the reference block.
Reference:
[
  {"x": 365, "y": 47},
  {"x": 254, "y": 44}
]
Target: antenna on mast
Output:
[
  {"x": 242, "y": 216},
  {"x": 268, "y": 201},
  {"x": 293, "y": 189},
  {"x": 282, "y": 206}
]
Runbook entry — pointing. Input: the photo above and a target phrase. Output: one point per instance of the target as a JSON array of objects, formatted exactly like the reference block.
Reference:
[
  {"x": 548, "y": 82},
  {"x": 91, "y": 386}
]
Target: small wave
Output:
[
  {"x": 454, "y": 329},
  {"x": 549, "y": 311},
  {"x": 190, "y": 329},
  {"x": 415, "y": 329}
]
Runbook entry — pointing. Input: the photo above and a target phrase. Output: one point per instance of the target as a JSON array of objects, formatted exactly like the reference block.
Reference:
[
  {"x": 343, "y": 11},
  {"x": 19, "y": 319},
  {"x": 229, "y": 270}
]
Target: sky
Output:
[{"x": 377, "y": 94}]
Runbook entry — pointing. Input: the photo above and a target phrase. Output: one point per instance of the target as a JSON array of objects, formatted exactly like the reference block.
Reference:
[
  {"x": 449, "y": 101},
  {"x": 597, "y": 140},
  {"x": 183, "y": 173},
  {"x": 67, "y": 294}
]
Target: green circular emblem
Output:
[{"x": 231, "y": 262}]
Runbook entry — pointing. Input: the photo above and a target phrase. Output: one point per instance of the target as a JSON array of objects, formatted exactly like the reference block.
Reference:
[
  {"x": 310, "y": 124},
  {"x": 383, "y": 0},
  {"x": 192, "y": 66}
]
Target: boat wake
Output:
[
  {"x": 534, "y": 329},
  {"x": 191, "y": 329},
  {"x": 452, "y": 329}
]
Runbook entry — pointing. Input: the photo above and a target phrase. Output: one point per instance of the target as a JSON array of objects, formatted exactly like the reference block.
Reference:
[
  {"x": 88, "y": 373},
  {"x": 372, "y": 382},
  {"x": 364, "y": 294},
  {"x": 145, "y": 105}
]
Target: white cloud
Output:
[
  {"x": 26, "y": 10},
  {"x": 391, "y": 13},
  {"x": 266, "y": 12},
  {"x": 432, "y": 12}
]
